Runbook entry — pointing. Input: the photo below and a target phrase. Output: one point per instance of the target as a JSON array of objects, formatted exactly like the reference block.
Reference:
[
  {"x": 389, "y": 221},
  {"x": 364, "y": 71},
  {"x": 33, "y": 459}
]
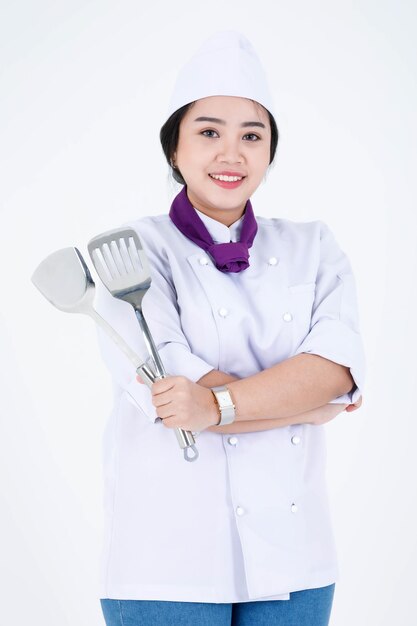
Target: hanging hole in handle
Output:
[{"x": 191, "y": 458}]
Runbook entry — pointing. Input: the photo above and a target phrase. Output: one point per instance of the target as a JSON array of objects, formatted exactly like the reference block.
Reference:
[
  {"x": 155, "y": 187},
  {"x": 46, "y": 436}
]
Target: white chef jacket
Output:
[{"x": 249, "y": 519}]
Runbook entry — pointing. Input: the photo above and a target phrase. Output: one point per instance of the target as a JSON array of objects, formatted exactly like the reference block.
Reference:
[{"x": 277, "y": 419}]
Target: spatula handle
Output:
[
  {"x": 185, "y": 438},
  {"x": 118, "y": 340}
]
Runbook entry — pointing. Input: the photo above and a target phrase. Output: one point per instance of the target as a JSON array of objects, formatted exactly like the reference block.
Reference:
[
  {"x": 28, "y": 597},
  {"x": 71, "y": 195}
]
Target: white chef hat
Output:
[{"x": 225, "y": 65}]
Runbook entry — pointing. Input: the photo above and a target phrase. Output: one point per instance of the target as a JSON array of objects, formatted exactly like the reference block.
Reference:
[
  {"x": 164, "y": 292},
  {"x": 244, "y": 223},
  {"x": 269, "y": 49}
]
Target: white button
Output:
[
  {"x": 273, "y": 260},
  {"x": 287, "y": 317},
  {"x": 240, "y": 510},
  {"x": 203, "y": 260},
  {"x": 295, "y": 439},
  {"x": 232, "y": 441},
  {"x": 294, "y": 508},
  {"x": 223, "y": 312}
]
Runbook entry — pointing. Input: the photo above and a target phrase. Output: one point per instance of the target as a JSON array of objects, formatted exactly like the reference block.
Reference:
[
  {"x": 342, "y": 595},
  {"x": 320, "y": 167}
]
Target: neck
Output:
[{"x": 224, "y": 216}]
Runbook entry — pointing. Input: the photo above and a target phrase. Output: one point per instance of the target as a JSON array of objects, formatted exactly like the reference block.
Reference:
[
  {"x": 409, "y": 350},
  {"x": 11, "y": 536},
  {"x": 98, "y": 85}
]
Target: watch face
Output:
[
  {"x": 224, "y": 398},
  {"x": 226, "y": 405}
]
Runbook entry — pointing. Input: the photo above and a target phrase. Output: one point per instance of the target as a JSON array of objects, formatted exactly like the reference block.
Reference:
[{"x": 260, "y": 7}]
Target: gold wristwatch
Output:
[{"x": 225, "y": 403}]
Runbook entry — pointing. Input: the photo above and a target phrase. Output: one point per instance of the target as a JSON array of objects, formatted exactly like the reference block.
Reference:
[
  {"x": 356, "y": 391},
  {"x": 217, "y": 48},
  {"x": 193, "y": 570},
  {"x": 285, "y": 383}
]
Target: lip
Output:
[{"x": 227, "y": 173}]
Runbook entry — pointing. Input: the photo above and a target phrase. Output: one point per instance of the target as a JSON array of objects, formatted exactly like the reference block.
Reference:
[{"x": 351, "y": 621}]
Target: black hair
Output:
[{"x": 170, "y": 131}]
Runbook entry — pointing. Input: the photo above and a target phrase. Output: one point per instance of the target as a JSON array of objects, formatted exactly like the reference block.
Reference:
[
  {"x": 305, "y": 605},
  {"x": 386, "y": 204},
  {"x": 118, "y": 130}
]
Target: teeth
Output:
[{"x": 229, "y": 179}]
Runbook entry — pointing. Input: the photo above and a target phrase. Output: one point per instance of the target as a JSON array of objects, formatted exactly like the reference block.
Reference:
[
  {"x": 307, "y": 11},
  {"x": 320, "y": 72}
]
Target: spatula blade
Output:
[
  {"x": 63, "y": 278},
  {"x": 120, "y": 261}
]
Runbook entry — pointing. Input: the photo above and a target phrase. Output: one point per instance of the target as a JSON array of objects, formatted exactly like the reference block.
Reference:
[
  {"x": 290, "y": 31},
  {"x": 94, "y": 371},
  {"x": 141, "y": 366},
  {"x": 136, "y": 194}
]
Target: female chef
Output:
[{"x": 244, "y": 534}]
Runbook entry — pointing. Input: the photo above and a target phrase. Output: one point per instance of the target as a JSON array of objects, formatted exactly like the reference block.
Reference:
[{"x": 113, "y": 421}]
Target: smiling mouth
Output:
[
  {"x": 225, "y": 183},
  {"x": 226, "y": 179}
]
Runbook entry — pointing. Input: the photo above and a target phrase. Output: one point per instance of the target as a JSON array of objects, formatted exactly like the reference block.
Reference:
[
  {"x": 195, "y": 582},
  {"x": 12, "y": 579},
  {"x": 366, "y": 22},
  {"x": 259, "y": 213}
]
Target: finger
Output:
[
  {"x": 163, "y": 384},
  {"x": 170, "y": 422},
  {"x": 160, "y": 400},
  {"x": 165, "y": 412}
]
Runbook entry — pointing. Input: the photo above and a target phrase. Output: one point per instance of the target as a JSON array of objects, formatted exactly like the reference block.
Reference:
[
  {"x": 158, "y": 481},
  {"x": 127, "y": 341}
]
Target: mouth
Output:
[{"x": 227, "y": 182}]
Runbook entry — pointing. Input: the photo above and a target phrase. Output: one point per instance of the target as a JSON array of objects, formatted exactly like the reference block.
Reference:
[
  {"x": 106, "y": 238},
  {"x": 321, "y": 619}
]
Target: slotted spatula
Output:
[{"x": 122, "y": 265}]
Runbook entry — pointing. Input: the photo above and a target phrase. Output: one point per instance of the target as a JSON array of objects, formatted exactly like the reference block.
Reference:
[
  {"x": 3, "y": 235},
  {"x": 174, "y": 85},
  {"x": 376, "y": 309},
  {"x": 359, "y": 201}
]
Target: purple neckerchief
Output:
[{"x": 228, "y": 257}]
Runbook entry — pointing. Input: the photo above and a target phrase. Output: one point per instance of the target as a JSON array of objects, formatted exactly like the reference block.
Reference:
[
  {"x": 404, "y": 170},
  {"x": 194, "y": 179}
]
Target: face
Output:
[{"x": 237, "y": 142}]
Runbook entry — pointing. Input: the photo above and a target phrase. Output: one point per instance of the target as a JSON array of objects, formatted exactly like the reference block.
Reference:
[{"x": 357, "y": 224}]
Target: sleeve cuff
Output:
[
  {"x": 335, "y": 341},
  {"x": 179, "y": 361}
]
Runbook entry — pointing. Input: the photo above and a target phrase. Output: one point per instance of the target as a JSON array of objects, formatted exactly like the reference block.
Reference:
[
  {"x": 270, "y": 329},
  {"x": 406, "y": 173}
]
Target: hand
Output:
[{"x": 181, "y": 403}]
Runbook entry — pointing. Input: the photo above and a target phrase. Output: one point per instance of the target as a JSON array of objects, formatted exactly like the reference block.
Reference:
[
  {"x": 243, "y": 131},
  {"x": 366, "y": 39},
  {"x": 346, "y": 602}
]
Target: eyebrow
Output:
[{"x": 216, "y": 120}]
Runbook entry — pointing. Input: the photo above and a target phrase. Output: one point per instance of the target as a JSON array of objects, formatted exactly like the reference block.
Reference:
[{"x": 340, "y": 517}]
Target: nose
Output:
[{"x": 230, "y": 151}]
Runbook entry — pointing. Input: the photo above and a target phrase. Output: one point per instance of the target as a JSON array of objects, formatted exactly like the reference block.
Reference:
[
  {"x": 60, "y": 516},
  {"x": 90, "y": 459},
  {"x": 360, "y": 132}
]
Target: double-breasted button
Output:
[
  {"x": 294, "y": 508},
  {"x": 240, "y": 510},
  {"x": 287, "y": 317},
  {"x": 232, "y": 441},
  {"x": 273, "y": 260},
  {"x": 203, "y": 260},
  {"x": 223, "y": 312},
  {"x": 295, "y": 439}
]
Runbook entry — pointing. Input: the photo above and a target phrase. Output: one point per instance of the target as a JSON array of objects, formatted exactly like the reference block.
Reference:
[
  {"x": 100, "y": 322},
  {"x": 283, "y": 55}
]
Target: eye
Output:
[
  {"x": 252, "y": 135},
  {"x": 207, "y": 131}
]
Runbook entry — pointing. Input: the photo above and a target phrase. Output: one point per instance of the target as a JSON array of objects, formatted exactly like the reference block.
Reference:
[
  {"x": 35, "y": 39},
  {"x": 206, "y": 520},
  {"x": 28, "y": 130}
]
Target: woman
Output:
[{"x": 243, "y": 535}]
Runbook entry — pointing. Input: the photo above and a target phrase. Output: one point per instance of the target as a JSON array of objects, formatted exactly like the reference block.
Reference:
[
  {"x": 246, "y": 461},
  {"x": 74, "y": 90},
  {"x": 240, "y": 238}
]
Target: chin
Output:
[
  {"x": 218, "y": 198},
  {"x": 221, "y": 201}
]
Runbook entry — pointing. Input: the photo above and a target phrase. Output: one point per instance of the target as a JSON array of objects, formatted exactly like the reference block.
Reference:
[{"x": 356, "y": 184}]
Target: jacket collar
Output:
[{"x": 219, "y": 232}]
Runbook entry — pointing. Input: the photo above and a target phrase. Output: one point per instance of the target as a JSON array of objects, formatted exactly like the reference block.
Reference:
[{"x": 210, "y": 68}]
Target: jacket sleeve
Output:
[
  {"x": 161, "y": 313},
  {"x": 334, "y": 330}
]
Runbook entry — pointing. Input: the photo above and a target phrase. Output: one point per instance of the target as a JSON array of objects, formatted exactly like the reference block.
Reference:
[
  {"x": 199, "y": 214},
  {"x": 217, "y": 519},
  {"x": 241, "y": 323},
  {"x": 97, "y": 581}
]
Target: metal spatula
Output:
[
  {"x": 122, "y": 265},
  {"x": 65, "y": 280}
]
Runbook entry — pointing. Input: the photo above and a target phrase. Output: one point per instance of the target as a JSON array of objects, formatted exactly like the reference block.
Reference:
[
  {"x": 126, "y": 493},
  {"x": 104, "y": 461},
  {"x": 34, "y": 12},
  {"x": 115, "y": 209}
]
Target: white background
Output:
[{"x": 84, "y": 90}]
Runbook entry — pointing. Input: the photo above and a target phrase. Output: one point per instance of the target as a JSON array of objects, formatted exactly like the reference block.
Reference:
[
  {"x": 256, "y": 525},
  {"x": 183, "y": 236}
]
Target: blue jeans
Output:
[{"x": 310, "y": 607}]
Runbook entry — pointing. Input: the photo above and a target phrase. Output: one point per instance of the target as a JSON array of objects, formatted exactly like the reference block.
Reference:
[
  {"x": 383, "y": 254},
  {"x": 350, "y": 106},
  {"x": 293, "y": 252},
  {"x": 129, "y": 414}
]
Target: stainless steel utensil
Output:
[
  {"x": 122, "y": 265},
  {"x": 65, "y": 280}
]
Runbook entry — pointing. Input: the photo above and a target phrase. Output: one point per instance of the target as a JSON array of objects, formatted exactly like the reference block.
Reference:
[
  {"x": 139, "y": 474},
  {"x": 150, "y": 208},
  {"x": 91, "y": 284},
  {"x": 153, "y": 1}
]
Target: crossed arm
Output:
[
  {"x": 298, "y": 390},
  {"x": 295, "y": 391},
  {"x": 302, "y": 389}
]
